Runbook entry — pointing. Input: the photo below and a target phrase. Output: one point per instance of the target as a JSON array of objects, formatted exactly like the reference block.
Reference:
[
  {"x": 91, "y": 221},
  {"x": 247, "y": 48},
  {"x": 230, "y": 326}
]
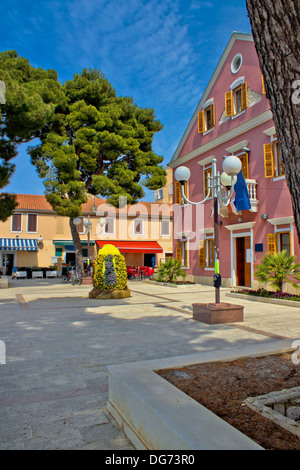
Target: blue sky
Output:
[{"x": 161, "y": 53}]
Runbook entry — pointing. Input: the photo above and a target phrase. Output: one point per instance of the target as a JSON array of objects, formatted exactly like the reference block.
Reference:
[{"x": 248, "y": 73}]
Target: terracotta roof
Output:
[{"x": 33, "y": 202}]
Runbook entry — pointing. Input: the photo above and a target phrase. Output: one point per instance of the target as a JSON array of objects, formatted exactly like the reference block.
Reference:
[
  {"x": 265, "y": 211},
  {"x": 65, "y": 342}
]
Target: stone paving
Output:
[{"x": 54, "y": 384}]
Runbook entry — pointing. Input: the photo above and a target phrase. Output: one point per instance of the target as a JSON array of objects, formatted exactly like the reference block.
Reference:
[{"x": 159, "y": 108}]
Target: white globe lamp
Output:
[
  {"x": 232, "y": 165},
  {"x": 182, "y": 174}
]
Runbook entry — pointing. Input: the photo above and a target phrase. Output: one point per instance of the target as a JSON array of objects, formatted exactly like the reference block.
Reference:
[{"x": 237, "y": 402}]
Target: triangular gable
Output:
[{"x": 234, "y": 37}]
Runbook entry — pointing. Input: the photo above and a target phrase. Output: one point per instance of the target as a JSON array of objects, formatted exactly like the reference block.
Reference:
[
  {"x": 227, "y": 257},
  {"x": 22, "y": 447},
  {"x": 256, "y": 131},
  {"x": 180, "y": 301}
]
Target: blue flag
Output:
[{"x": 241, "y": 201}]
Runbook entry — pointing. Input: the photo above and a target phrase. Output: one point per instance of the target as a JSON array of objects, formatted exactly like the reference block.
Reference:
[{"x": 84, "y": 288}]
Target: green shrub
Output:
[
  {"x": 170, "y": 270},
  {"x": 277, "y": 268},
  {"x": 110, "y": 271}
]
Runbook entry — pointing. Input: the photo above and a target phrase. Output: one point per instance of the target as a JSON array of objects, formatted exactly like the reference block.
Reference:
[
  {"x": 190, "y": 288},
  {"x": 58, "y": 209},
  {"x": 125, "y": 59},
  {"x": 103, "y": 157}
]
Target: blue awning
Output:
[{"x": 19, "y": 244}]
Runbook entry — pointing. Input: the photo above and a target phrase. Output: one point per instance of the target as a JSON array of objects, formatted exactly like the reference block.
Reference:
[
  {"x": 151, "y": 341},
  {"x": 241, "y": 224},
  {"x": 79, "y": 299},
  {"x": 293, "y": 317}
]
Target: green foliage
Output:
[
  {"x": 170, "y": 270},
  {"x": 32, "y": 96},
  {"x": 110, "y": 271},
  {"x": 99, "y": 143},
  {"x": 277, "y": 268}
]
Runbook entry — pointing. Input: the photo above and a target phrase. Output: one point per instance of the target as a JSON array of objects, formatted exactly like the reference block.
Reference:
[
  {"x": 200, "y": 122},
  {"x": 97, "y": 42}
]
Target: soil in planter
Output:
[{"x": 223, "y": 386}]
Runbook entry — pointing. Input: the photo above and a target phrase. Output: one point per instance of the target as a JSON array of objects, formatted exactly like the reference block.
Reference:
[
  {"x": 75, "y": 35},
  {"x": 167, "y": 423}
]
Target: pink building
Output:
[{"x": 233, "y": 117}]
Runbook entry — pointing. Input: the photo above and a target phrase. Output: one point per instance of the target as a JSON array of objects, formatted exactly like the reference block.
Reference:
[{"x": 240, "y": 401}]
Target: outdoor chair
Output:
[{"x": 132, "y": 274}]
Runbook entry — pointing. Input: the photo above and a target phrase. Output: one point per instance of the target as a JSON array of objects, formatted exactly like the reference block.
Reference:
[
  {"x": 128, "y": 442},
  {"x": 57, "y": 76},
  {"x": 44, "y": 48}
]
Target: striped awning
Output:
[{"x": 19, "y": 244}]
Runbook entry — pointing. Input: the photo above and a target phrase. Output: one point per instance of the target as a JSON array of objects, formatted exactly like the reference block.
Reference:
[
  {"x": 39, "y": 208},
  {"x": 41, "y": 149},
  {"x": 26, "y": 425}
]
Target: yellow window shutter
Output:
[
  {"x": 229, "y": 103},
  {"x": 213, "y": 115},
  {"x": 213, "y": 253},
  {"x": 202, "y": 254},
  {"x": 201, "y": 122},
  {"x": 269, "y": 160},
  {"x": 178, "y": 251},
  {"x": 245, "y": 167},
  {"x": 185, "y": 192},
  {"x": 271, "y": 243},
  {"x": 263, "y": 85},
  {"x": 244, "y": 100},
  {"x": 177, "y": 192}
]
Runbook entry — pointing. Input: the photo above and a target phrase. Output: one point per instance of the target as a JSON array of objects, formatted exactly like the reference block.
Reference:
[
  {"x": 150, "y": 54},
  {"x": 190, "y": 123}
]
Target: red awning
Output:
[{"x": 132, "y": 246}]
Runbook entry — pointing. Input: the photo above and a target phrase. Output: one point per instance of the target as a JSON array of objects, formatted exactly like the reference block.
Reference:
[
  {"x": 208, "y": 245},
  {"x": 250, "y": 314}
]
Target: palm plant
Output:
[
  {"x": 277, "y": 268},
  {"x": 170, "y": 270}
]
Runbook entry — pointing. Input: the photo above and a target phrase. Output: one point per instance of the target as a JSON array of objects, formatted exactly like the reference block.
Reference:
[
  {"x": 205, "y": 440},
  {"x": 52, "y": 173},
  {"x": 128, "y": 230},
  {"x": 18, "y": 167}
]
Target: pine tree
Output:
[
  {"x": 31, "y": 96},
  {"x": 99, "y": 144}
]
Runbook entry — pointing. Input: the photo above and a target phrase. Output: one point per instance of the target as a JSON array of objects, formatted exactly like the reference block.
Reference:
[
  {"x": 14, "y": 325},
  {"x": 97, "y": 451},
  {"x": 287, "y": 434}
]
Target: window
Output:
[
  {"x": 278, "y": 242},
  {"x": 178, "y": 196},
  {"x": 58, "y": 252},
  {"x": 236, "y": 63},
  {"x": 165, "y": 228},
  {"x": 80, "y": 227},
  {"x": 32, "y": 223},
  {"x": 16, "y": 223},
  {"x": 159, "y": 194},
  {"x": 207, "y": 253},
  {"x": 171, "y": 189},
  {"x": 206, "y": 119},
  {"x": 207, "y": 173},
  {"x": 244, "y": 160},
  {"x": 263, "y": 85},
  {"x": 138, "y": 227},
  {"x": 109, "y": 226},
  {"x": 273, "y": 160},
  {"x": 236, "y": 100},
  {"x": 182, "y": 253}
]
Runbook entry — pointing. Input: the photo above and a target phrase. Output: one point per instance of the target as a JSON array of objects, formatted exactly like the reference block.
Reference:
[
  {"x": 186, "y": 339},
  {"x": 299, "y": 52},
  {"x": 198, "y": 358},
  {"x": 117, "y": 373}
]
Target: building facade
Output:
[
  {"x": 35, "y": 236},
  {"x": 233, "y": 117},
  {"x": 165, "y": 194}
]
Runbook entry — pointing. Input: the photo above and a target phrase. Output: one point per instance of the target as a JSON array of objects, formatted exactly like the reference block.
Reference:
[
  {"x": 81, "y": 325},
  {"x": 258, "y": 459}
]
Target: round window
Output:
[{"x": 236, "y": 63}]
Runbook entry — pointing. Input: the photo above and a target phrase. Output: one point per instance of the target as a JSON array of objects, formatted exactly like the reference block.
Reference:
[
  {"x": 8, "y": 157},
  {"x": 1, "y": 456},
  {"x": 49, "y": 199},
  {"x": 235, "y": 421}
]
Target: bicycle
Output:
[
  {"x": 68, "y": 277},
  {"x": 76, "y": 277}
]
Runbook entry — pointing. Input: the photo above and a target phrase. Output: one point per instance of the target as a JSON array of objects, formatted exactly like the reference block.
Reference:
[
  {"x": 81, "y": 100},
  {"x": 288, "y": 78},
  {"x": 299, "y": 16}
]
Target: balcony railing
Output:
[{"x": 251, "y": 185}]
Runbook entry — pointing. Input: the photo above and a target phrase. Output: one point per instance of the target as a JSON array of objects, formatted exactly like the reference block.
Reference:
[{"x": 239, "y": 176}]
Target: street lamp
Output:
[
  {"x": 231, "y": 167},
  {"x": 88, "y": 228}
]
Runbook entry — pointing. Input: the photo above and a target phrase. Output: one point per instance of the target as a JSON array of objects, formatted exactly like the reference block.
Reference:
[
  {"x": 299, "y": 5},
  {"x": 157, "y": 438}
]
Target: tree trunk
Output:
[
  {"x": 276, "y": 32},
  {"x": 77, "y": 245}
]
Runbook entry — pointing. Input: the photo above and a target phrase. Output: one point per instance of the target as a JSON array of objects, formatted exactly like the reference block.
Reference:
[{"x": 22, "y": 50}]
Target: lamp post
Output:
[
  {"x": 217, "y": 183},
  {"x": 88, "y": 228}
]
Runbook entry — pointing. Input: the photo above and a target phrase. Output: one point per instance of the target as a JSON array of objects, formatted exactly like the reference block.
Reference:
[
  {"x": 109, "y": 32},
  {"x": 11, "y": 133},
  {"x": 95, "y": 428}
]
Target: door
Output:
[
  {"x": 7, "y": 263},
  {"x": 243, "y": 264}
]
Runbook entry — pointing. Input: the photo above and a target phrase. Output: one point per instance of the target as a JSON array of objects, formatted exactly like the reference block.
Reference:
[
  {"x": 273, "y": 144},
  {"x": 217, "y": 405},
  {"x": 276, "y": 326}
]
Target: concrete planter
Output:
[{"x": 253, "y": 298}]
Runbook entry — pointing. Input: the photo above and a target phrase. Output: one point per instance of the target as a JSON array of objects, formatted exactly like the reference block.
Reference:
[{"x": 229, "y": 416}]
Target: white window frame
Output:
[
  {"x": 37, "y": 225},
  {"x": 11, "y": 227},
  {"x": 206, "y": 163},
  {"x": 114, "y": 227},
  {"x": 134, "y": 227},
  {"x": 185, "y": 242},
  {"x": 167, "y": 235},
  {"x": 208, "y": 236},
  {"x": 206, "y": 105},
  {"x": 238, "y": 82},
  {"x": 232, "y": 66},
  {"x": 277, "y": 223},
  {"x": 159, "y": 194},
  {"x": 83, "y": 228},
  {"x": 276, "y": 177}
]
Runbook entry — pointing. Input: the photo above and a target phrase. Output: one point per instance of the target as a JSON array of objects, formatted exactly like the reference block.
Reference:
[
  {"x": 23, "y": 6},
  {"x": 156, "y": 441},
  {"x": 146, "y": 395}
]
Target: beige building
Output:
[
  {"x": 165, "y": 194},
  {"x": 35, "y": 236}
]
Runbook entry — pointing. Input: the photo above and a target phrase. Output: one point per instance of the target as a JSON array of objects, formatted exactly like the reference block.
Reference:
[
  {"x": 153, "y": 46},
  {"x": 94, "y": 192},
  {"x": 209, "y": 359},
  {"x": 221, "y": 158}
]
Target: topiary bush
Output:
[{"x": 110, "y": 274}]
